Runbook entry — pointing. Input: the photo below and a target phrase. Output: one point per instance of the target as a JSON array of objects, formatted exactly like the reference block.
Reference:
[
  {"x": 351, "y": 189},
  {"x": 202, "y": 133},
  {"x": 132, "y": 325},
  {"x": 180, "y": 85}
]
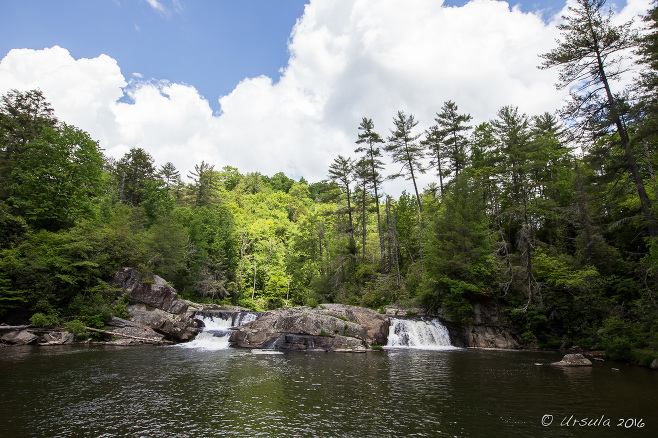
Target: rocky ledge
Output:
[
  {"x": 329, "y": 327},
  {"x": 155, "y": 310}
]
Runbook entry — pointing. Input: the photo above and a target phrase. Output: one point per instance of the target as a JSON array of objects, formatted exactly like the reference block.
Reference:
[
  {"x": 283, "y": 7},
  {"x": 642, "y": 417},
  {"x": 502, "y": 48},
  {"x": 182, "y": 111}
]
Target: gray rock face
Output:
[
  {"x": 176, "y": 327},
  {"x": 489, "y": 337},
  {"x": 155, "y": 293},
  {"x": 331, "y": 327},
  {"x": 480, "y": 336},
  {"x": 57, "y": 338},
  {"x": 156, "y": 310},
  {"x": 573, "y": 360},
  {"x": 132, "y": 328},
  {"x": 22, "y": 337}
]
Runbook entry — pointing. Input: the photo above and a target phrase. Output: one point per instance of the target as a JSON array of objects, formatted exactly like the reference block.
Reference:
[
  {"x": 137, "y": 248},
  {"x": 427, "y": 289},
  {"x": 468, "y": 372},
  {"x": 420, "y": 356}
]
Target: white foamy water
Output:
[
  {"x": 217, "y": 329},
  {"x": 423, "y": 334},
  {"x": 207, "y": 341}
]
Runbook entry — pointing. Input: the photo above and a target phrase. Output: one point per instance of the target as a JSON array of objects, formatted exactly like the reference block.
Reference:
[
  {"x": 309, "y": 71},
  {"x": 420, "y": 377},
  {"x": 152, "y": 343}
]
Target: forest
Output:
[{"x": 551, "y": 216}]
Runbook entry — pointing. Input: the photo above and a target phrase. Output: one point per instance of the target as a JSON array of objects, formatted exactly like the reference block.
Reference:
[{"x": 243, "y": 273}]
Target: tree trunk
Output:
[{"x": 621, "y": 130}]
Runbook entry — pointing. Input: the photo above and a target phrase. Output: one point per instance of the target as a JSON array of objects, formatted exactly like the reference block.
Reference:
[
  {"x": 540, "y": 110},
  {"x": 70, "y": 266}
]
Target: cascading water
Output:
[
  {"x": 217, "y": 328},
  {"x": 421, "y": 333}
]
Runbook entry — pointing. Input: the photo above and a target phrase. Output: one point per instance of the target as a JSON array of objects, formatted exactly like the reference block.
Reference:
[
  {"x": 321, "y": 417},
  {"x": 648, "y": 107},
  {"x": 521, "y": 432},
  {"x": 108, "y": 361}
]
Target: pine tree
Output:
[
  {"x": 590, "y": 55},
  {"x": 451, "y": 129},
  {"x": 373, "y": 164},
  {"x": 405, "y": 150}
]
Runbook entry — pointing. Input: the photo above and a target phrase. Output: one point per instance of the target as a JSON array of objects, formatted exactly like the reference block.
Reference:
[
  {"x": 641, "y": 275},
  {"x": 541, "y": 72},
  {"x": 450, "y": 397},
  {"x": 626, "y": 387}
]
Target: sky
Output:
[{"x": 277, "y": 86}]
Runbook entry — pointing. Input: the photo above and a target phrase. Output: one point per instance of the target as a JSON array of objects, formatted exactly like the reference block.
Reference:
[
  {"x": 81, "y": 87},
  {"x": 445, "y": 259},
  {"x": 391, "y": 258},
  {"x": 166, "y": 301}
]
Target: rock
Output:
[
  {"x": 482, "y": 336},
  {"x": 57, "y": 338},
  {"x": 176, "y": 327},
  {"x": 155, "y": 292},
  {"x": 155, "y": 309},
  {"x": 331, "y": 327},
  {"x": 375, "y": 323},
  {"x": 654, "y": 364},
  {"x": 131, "y": 328},
  {"x": 574, "y": 360},
  {"x": 22, "y": 337},
  {"x": 318, "y": 343}
]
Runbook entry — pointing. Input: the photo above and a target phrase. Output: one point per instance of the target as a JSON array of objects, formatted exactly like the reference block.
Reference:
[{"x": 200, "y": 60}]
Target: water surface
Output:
[{"x": 150, "y": 391}]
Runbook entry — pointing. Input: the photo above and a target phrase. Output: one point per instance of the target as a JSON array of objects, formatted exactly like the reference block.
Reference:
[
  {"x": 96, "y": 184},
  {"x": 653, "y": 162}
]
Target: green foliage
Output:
[
  {"x": 78, "y": 328},
  {"x": 44, "y": 320}
]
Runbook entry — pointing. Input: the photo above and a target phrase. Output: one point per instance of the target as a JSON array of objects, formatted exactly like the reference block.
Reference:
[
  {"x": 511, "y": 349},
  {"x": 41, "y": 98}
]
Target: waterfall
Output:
[
  {"x": 217, "y": 328},
  {"x": 421, "y": 333}
]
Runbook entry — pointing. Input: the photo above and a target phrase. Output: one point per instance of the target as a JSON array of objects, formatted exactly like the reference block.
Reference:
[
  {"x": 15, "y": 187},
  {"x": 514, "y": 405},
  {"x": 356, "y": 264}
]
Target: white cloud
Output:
[
  {"x": 349, "y": 59},
  {"x": 155, "y": 4}
]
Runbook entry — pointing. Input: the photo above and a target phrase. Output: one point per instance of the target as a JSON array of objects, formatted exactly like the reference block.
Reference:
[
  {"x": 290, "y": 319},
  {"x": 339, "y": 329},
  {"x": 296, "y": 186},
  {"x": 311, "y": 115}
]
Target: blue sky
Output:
[
  {"x": 212, "y": 45},
  {"x": 238, "y": 83}
]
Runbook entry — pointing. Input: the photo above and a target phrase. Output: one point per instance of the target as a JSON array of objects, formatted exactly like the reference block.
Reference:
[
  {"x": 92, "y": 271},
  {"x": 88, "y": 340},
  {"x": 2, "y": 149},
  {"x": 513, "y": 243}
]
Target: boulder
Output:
[
  {"x": 155, "y": 309},
  {"x": 480, "y": 336},
  {"x": 574, "y": 360},
  {"x": 131, "y": 328},
  {"x": 330, "y": 327},
  {"x": 22, "y": 337},
  {"x": 57, "y": 338},
  {"x": 654, "y": 364},
  {"x": 172, "y": 326},
  {"x": 154, "y": 292}
]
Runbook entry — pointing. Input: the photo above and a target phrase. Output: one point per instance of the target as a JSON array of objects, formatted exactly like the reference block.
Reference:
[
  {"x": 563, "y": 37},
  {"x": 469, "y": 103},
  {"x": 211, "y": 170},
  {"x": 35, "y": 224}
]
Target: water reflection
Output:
[{"x": 168, "y": 391}]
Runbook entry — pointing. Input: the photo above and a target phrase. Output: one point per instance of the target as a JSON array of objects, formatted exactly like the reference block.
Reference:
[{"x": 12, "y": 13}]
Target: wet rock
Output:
[
  {"x": 329, "y": 327},
  {"x": 654, "y": 364},
  {"x": 22, "y": 337},
  {"x": 574, "y": 360}
]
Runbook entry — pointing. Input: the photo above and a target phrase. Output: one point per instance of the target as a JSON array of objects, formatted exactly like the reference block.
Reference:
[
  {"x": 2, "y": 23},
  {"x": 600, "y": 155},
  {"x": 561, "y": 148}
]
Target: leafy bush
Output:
[
  {"x": 77, "y": 327},
  {"x": 44, "y": 320}
]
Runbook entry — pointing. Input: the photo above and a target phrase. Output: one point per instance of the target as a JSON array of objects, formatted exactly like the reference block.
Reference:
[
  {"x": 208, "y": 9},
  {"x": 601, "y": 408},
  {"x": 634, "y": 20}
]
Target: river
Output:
[{"x": 151, "y": 391}]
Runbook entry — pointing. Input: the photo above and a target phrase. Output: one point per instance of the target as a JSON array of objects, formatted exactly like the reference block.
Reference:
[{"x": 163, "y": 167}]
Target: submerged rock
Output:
[
  {"x": 574, "y": 360},
  {"x": 331, "y": 327}
]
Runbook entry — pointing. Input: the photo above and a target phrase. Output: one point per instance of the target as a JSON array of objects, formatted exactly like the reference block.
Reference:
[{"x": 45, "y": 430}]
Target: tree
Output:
[
  {"x": 133, "y": 172},
  {"x": 57, "y": 178},
  {"x": 436, "y": 151},
  {"x": 451, "y": 129},
  {"x": 406, "y": 151},
  {"x": 590, "y": 55},
  {"x": 516, "y": 161},
  {"x": 342, "y": 172},
  {"x": 170, "y": 176},
  {"x": 22, "y": 118},
  {"x": 203, "y": 187},
  {"x": 372, "y": 166}
]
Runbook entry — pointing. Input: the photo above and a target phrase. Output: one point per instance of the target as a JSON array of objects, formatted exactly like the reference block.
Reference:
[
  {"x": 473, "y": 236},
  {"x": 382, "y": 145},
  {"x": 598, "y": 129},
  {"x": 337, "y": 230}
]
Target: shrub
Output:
[
  {"x": 77, "y": 327},
  {"x": 44, "y": 320},
  {"x": 377, "y": 347}
]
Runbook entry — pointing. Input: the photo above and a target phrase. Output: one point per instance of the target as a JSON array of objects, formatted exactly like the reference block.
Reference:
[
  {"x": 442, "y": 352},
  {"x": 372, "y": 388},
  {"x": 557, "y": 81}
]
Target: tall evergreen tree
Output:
[
  {"x": 452, "y": 128},
  {"x": 405, "y": 150},
  {"x": 590, "y": 54},
  {"x": 342, "y": 172},
  {"x": 369, "y": 140},
  {"x": 433, "y": 141}
]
